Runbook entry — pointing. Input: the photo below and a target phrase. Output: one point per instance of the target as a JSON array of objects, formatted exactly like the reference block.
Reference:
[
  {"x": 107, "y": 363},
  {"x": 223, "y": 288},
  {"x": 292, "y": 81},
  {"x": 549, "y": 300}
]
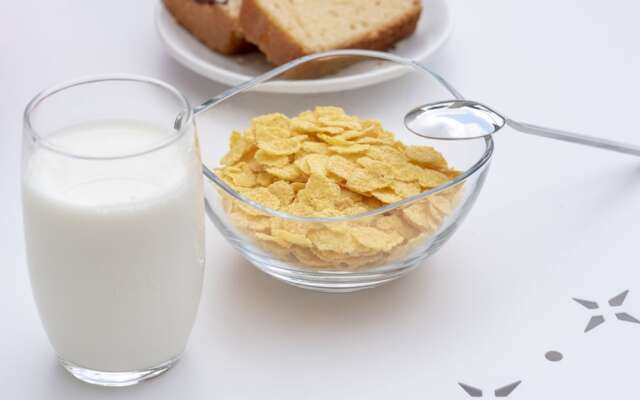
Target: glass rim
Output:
[
  {"x": 41, "y": 140},
  {"x": 248, "y": 85}
]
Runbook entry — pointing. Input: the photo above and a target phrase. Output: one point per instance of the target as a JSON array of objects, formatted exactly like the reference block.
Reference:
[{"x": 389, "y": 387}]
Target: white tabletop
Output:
[{"x": 554, "y": 221}]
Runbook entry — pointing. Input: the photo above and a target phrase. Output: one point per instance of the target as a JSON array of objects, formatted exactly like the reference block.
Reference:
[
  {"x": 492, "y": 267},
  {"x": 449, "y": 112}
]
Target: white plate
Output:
[{"x": 432, "y": 31}]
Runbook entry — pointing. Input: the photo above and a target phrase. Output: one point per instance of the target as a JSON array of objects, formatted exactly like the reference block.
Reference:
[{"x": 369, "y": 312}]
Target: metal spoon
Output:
[{"x": 465, "y": 119}]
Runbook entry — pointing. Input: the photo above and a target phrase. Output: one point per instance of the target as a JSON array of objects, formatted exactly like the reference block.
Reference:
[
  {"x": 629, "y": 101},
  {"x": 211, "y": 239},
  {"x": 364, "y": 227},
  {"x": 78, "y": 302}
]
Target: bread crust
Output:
[
  {"x": 280, "y": 47},
  {"x": 210, "y": 24}
]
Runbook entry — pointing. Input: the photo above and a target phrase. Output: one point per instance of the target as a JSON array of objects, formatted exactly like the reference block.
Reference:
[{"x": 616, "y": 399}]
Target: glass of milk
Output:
[{"x": 113, "y": 214}]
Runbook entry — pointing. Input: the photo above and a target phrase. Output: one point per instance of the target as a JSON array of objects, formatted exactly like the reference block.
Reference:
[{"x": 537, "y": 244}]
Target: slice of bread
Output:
[
  {"x": 287, "y": 29},
  {"x": 215, "y": 24}
]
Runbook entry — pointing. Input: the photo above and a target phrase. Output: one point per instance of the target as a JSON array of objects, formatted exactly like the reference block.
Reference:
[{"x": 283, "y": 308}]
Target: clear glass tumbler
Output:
[{"x": 114, "y": 224}]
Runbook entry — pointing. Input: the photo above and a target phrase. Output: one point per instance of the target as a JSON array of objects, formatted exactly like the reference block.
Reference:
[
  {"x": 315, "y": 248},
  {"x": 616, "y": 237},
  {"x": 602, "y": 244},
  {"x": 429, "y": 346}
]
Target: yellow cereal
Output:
[
  {"x": 358, "y": 209},
  {"x": 429, "y": 178},
  {"x": 288, "y": 172},
  {"x": 376, "y": 167},
  {"x": 387, "y": 154},
  {"x": 272, "y": 120},
  {"x": 313, "y": 164},
  {"x": 348, "y": 199},
  {"x": 244, "y": 178},
  {"x": 427, "y": 156},
  {"x": 306, "y": 257},
  {"x": 418, "y": 239},
  {"x": 301, "y": 125},
  {"x": 340, "y": 123},
  {"x": 317, "y": 164},
  {"x": 324, "y": 163},
  {"x": 375, "y": 140},
  {"x": 375, "y": 238},
  {"x": 320, "y": 186},
  {"x": 386, "y": 195},
  {"x": 451, "y": 173},
  {"x": 239, "y": 146},
  {"x": 418, "y": 214},
  {"x": 334, "y": 140},
  {"x": 406, "y": 172},
  {"x": 363, "y": 181},
  {"x": 333, "y": 257},
  {"x": 291, "y": 238},
  {"x": 329, "y": 111},
  {"x": 275, "y": 249},
  {"x": 394, "y": 223},
  {"x": 320, "y": 193},
  {"x": 340, "y": 227},
  {"x": 440, "y": 203},
  {"x": 350, "y": 135},
  {"x": 297, "y": 186},
  {"x": 291, "y": 226},
  {"x": 267, "y": 133},
  {"x": 252, "y": 164},
  {"x": 341, "y": 167},
  {"x": 386, "y": 135},
  {"x": 254, "y": 223},
  {"x": 332, "y": 130},
  {"x": 351, "y": 149},
  {"x": 406, "y": 189},
  {"x": 326, "y": 240},
  {"x": 300, "y": 138},
  {"x": 301, "y": 164},
  {"x": 299, "y": 208},
  {"x": 283, "y": 191},
  {"x": 356, "y": 262},
  {"x": 279, "y": 147},
  {"x": 240, "y": 175},
  {"x": 315, "y": 147},
  {"x": 261, "y": 196},
  {"x": 264, "y": 178},
  {"x": 307, "y": 116},
  {"x": 371, "y": 122},
  {"x": 271, "y": 160},
  {"x": 371, "y": 203},
  {"x": 411, "y": 244},
  {"x": 272, "y": 239}
]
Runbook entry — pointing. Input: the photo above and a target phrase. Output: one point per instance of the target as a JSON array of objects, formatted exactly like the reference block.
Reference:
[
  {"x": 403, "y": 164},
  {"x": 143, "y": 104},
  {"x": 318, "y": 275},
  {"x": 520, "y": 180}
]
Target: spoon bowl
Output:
[{"x": 454, "y": 120}]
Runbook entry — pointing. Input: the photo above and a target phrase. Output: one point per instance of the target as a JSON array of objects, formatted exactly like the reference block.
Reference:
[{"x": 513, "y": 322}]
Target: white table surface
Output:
[{"x": 554, "y": 221}]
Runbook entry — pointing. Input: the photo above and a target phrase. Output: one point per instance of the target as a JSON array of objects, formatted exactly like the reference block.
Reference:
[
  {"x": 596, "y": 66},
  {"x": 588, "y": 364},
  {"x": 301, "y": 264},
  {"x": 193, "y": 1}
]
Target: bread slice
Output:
[
  {"x": 214, "y": 23},
  {"x": 287, "y": 29}
]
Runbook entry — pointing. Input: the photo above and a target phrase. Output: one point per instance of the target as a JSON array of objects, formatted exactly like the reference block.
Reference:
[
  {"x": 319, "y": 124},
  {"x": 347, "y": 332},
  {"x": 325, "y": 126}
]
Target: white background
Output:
[{"x": 554, "y": 221}]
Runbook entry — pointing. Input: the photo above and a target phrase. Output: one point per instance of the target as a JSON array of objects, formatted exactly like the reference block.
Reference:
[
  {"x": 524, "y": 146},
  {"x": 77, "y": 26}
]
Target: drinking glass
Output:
[{"x": 114, "y": 224}]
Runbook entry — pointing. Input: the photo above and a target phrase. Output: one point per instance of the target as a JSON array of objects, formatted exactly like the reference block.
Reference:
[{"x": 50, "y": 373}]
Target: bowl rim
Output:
[{"x": 227, "y": 94}]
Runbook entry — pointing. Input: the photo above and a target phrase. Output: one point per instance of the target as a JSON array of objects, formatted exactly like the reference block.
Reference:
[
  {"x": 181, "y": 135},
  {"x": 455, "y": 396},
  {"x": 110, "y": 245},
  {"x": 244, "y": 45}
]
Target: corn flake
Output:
[
  {"x": 351, "y": 149},
  {"x": 239, "y": 146},
  {"x": 427, "y": 156},
  {"x": 375, "y": 238},
  {"x": 283, "y": 191},
  {"x": 288, "y": 172},
  {"x": 265, "y": 158}
]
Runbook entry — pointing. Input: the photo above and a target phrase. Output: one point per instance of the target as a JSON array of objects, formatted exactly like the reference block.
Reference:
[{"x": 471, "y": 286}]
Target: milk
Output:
[{"x": 115, "y": 247}]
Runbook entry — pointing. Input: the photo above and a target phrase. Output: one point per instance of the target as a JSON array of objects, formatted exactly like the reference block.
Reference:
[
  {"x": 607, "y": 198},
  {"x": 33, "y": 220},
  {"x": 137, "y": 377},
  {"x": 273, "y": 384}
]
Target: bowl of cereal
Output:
[{"x": 329, "y": 191}]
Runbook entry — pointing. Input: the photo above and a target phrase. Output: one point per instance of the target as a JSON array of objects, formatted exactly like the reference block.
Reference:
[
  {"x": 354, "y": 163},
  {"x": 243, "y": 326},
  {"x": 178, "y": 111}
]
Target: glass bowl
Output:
[{"x": 340, "y": 253}]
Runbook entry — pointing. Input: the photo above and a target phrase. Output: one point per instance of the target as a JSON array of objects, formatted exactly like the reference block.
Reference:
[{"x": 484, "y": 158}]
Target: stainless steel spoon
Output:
[{"x": 465, "y": 119}]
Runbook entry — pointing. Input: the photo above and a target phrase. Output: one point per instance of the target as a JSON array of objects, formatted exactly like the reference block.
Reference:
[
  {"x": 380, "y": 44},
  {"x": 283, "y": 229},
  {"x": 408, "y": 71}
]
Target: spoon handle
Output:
[{"x": 558, "y": 134}]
